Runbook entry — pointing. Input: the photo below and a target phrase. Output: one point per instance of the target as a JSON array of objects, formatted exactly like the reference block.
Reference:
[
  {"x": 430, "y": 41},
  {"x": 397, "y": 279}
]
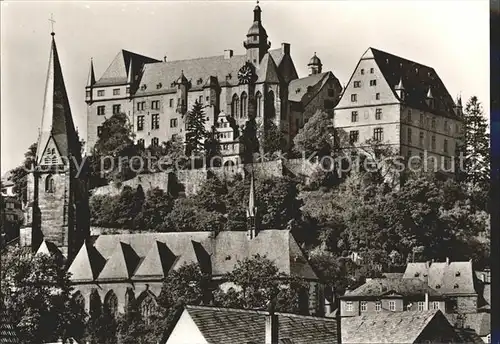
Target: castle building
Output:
[
  {"x": 401, "y": 103},
  {"x": 156, "y": 95},
  {"x": 57, "y": 203}
]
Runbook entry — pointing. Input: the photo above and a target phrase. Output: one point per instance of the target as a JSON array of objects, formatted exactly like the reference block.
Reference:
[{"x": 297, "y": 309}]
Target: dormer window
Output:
[
  {"x": 417, "y": 274},
  {"x": 143, "y": 87},
  {"x": 438, "y": 286},
  {"x": 199, "y": 81},
  {"x": 49, "y": 184},
  {"x": 455, "y": 286},
  {"x": 297, "y": 90},
  {"x": 457, "y": 273},
  {"x": 158, "y": 86}
]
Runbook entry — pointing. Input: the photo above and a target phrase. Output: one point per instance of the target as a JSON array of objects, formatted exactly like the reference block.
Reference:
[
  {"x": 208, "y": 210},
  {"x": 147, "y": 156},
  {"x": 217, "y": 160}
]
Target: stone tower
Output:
[
  {"x": 256, "y": 43},
  {"x": 57, "y": 188}
]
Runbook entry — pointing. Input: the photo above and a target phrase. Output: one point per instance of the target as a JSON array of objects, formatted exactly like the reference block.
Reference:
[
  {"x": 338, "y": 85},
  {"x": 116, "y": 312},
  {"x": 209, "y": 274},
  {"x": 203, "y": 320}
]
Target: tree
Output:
[
  {"x": 271, "y": 138},
  {"x": 316, "y": 136},
  {"x": 195, "y": 131},
  {"x": 475, "y": 145},
  {"x": 37, "y": 294},
  {"x": 187, "y": 216},
  {"x": 155, "y": 209},
  {"x": 260, "y": 285},
  {"x": 128, "y": 206},
  {"x": 212, "y": 149},
  {"x": 19, "y": 174},
  {"x": 249, "y": 140}
]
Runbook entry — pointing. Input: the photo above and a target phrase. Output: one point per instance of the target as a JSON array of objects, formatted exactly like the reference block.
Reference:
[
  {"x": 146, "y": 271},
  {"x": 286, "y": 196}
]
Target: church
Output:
[
  {"x": 110, "y": 270},
  {"x": 262, "y": 83}
]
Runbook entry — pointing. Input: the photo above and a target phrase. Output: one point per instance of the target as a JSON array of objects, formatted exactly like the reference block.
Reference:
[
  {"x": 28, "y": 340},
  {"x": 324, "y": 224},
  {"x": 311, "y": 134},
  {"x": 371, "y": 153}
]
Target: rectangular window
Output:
[
  {"x": 409, "y": 136},
  {"x": 140, "y": 123},
  {"x": 378, "y": 114},
  {"x": 420, "y": 305},
  {"x": 392, "y": 305},
  {"x": 433, "y": 142},
  {"x": 362, "y": 71},
  {"x": 354, "y": 98},
  {"x": 410, "y": 153},
  {"x": 155, "y": 104},
  {"x": 364, "y": 306},
  {"x": 433, "y": 123},
  {"x": 330, "y": 92},
  {"x": 116, "y": 92},
  {"x": 200, "y": 99},
  {"x": 171, "y": 102},
  {"x": 88, "y": 94},
  {"x": 127, "y": 90},
  {"x": 378, "y": 134},
  {"x": 372, "y": 70},
  {"x": 373, "y": 82},
  {"x": 353, "y": 136},
  {"x": 99, "y": 131},
  {"x": 377, "y": 96},
  {"x": 101, "y": 110},
  {"x": 421, "y": 139},
  {"x": 116, "y": 109},
  {"x": 354, "y": 116},
  {"x": 435, "y": 305},
  {"x": 357, "y": 84},
  {"x": 100, "y": 93},
  {"x": 409, "y": 115},
  {"x": 446, "y": 128},
  {"x": 141, "y": 106},
  {"x": 378, "y": 306},
  {"x": 348, "y": 306},
  {"x": 173, "y": 123},
  {"x": 421, "y": 119},
  {"x": 445, "y": 146},
  {"x": 155, "y": 121}
]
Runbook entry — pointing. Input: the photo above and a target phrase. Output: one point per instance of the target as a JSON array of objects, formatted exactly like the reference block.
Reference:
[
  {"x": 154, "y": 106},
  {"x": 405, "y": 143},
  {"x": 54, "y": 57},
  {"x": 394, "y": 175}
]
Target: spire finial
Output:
[
  {"x": 52, "y": 21},
  {"x": 257, "y": 2}
]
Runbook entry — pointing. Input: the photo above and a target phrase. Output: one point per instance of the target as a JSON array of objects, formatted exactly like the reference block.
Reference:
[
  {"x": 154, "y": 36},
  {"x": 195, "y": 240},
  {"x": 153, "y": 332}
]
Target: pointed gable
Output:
[
  {"x": 121, "y": 264},
  {"x": 48, "y": 248},
  {"x": 87, "y": 264},
  {"x": 157, "y": 262},
  {"x": 57, "y": 122},
  {"x": 188, "y": 256},
  {"x": 268, "y": 71}
]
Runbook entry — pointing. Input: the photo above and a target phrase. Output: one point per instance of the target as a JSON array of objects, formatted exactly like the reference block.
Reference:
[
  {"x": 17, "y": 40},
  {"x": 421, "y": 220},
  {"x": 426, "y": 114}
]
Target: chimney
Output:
[
  {"x": 165, "y": 58},
  {"x": 228, "y": 54},
  {"x": 271, "y": 329},
  {"x": 285, "y": 48},
  {"x": 426, "y": 302},
  {"x": 447, "y": 261}
]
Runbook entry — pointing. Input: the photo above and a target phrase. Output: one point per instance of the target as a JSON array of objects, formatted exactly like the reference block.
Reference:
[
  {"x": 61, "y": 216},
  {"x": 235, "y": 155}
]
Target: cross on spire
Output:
[{"x": 52, "y": 21}]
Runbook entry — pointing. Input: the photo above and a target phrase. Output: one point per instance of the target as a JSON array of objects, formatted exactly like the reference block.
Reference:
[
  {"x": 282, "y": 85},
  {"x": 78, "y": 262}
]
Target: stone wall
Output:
[{"x": 147, "y": 181}]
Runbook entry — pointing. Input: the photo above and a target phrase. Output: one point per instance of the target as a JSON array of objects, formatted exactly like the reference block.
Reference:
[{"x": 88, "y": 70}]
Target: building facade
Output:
[{"x": 401, "y": 103}]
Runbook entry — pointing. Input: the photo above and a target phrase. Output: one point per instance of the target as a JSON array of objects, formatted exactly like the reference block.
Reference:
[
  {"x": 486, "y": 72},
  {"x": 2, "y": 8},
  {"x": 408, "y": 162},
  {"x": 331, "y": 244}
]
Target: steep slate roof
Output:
[
  {"x": 303, "y": 90},
  {"x": 268, "y": 70},
  {"x": 386, "y": 327},
  {"x": 118, "y": 71},
  {"x": 417, "y": 79},
  {"x": 87, "y": 264},
  {"x": 57, "y": 122},
  {"x": 382, "y": 286},
  {"x": 479, "y": 322},
  {"x": 224, "y": 325},
  {"x": 8, "y": 334},
  {"x": 445, "y": 277},
  {"x": 136, "y": 256}
]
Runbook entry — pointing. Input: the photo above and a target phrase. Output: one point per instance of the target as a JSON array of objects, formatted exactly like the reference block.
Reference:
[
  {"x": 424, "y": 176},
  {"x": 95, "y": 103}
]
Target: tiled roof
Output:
[
  {"x": 382, "y": 286},
  {"x": 223, "y": 325},
  {"x": 417, "y": 80},
  {"x": 268, "y": 70},
  {"x": 118, "y": 71},
  {"x": 150, "y": 255},
  {"x": 468, "y": 336},
  {"x": 479, "y": 322},
  {"x": 298, "y": 88},
  {"x": 87, "y": 264},
  {"x": 386, "y": 327},
  {"x": 8, "y": 333},
  {"x": 445, "y": 277}
]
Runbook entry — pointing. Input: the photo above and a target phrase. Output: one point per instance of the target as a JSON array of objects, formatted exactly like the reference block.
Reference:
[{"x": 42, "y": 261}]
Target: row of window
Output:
[
  {"x": 355, "y": 115},
  {"x": 378, "y": 135},
  {"x": 362, "y": 71},
  {"x": 101, "y": 109},
  {"x": 354, "y": 97},
  {"x": 392, "y": 306},
  {"x": 155, "y": 122},
  {"x": 421, "y": 140},
  {"x": 116, "y": 92},
  {"x": 357, "y": 84},
  {"x": 424, "y": 121}
]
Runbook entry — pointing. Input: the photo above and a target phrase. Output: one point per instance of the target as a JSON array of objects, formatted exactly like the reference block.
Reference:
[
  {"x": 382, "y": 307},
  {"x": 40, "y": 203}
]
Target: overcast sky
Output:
[{"x": 450, "y": 36}]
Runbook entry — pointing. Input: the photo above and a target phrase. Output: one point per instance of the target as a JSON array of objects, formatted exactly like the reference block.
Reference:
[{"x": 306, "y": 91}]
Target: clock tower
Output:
[{"x": 256, "y": 43}]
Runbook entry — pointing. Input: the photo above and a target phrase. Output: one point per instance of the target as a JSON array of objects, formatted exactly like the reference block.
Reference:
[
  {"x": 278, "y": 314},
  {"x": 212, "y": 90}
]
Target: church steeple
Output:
[
  {"x": 91, "y": 78},
  {"x": 252, "y": 210},
  {"x": 57, "y": 123},
  {"x": 256, "y": 42}
]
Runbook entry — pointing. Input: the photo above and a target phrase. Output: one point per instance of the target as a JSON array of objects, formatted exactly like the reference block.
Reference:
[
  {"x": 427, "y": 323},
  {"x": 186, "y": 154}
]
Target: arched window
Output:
[
  {"x": 95, "y": 304},
  {"x": 129, "y": 298},
  {"x": 235, "y": 105},
  {"x": 270, "y": 112},
  {"x": 244, "y": 105},
  {"x": 49, "y": 184},
  {"x": 147, "y": 306},
  {"x": 79, "y": 299},
  {"x": 258, "y": 99},
  {"x": 111, "y": 303}
]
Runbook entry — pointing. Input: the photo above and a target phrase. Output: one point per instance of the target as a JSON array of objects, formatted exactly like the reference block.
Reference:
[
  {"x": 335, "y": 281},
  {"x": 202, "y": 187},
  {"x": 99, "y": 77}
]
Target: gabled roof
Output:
[
  {"x": 118, "y": 71},
  {"x": 445, "y": 277},
  {"x": 57, "y": 122},
  {"x": 8, "y": 334},
  {"x": 121, "y": 265},
  {"x": 268, "y": 70},
  {"x": 135, "y": 255},
  {"x": 303, "y": 90},
  {"x": 225, "y": 325},
  {"x": 479, "y": 322},
  {"x": 378, "y": 287},
  {"x": 49, "y": 248},
  {"x": 87, "y": 264},
  {"x": 387, "y": 327},
  {"x": 417, "y": 80}
]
